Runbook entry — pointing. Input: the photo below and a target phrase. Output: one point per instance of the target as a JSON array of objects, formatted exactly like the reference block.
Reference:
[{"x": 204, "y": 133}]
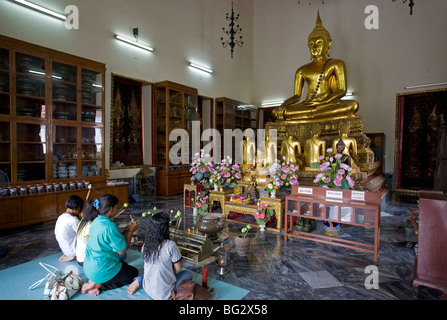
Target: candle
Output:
[
  {"x": 205, "y": 277},
  {"x": 221, "y": 261}
]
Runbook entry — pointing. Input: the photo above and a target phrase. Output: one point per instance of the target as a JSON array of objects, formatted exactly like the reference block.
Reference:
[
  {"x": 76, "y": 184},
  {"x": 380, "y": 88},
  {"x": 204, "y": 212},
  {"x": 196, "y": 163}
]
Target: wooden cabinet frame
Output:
[{"x": 317, "y": 203}]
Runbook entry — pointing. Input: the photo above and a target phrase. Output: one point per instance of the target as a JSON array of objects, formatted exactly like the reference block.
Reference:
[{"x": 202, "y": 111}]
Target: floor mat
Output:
[{"x": 15, "y": 281}]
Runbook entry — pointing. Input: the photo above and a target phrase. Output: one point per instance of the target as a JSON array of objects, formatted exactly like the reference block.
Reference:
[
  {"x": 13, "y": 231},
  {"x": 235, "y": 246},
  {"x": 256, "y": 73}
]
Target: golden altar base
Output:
[{"x": 365, "y": 177}]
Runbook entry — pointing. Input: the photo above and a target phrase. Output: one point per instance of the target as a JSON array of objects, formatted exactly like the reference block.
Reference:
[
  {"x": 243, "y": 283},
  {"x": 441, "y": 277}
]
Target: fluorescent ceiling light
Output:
[
  {"x": 272, "y": 103},
  {"x": 42, "y": 9},
  {"x": 134, "y": 43},
  {"x": 198, "y": 66}
]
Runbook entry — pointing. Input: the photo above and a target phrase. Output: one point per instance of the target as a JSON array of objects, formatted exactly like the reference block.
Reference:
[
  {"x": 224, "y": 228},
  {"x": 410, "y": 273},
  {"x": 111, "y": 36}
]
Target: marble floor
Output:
[{"x": 274, "y": 269}]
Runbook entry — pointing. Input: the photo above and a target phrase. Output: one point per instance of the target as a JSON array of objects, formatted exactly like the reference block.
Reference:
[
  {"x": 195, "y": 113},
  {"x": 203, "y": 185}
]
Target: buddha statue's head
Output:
[
  {"x": 319, "y": 40},
  {"x": 340, "y": 146}
]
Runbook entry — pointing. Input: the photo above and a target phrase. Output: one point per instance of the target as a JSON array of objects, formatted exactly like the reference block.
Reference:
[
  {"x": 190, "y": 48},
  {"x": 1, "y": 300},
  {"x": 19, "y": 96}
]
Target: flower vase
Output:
[
  {"x": 195, "y": 211},
  {"x": 273, "y": 194},
  {"x": 216, "y": 187},
  {"x": 242, "y": 245},
  {"x": 262, "y": 226}
]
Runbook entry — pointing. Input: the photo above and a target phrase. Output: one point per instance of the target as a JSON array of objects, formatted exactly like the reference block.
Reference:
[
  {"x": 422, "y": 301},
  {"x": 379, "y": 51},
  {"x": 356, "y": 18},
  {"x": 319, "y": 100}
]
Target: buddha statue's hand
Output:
[{"x": 278, "y": 113}]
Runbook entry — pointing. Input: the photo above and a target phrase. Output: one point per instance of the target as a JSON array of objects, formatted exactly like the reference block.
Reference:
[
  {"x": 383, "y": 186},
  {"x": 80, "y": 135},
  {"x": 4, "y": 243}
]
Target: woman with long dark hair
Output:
[
  {"x": 90, "y": 213},
  {"x": 105, "y": 244},
  {"x": 162, "y": 261}
]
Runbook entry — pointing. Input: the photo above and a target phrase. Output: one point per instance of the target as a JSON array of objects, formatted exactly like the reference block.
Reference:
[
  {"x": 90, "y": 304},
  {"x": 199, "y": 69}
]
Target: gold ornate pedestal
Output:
[
  {"x": 365, "y": 177},
  {"x": 276, "y": 204}
]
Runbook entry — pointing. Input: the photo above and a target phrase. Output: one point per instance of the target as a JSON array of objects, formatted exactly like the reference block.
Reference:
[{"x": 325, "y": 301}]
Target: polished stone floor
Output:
[{"x": 274, "y": 269}]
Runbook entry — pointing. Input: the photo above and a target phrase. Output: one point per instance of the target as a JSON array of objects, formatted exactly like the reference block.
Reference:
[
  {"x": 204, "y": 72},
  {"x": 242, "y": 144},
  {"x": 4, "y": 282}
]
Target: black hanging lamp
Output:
[
  {"x": 232, "y": 31},
  {"x": 411, "y": 4}
]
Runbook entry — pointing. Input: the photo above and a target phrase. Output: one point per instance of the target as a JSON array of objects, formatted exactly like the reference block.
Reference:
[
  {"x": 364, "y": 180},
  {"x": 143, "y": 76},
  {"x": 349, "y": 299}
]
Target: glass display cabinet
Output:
[
  {"x": 51, "y": 115},
  {"x": 232, "y": 114},
  {"x": 51, "y": 131},
  {"x": 175, "y": 108}
]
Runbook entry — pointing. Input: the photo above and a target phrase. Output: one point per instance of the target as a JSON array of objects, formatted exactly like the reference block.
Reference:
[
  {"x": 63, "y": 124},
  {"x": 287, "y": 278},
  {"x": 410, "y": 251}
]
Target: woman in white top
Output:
[
  {"x": 67, "y": 226},
  {"x": 83, "y": 231}
]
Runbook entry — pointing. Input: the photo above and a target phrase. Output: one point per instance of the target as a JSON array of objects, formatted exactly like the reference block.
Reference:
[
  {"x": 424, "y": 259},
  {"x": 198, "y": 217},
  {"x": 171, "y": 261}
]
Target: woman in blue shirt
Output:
[{"x": 102, "y": 264}]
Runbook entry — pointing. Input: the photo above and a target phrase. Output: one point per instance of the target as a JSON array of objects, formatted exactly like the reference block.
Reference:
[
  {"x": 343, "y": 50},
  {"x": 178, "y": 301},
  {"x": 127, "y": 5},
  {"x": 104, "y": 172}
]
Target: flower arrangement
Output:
[
  {"x": 202, "y": 165},
  {"x": 282, "y": 176},
  {"x": 335, "y": 174},
  {"x": 202, "y": 204},
  {"x": 262, "y": 214},
  {"x": 226, "y": 174}
]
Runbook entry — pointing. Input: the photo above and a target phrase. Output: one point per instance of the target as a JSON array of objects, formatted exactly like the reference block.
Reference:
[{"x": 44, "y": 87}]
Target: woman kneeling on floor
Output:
[
  {"x": 162, "y": 259},
  {"x": 102, "y": 264}
]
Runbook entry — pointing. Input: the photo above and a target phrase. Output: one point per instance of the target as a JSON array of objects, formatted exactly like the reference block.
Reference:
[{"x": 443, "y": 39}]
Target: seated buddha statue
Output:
[{"x": 326, "y": 85}]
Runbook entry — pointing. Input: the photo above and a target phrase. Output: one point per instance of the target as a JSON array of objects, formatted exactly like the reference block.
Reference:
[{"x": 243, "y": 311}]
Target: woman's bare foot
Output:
[
  {"x": 65, "y": 258},
  {"x": 94, "y": 292},
  {"x": 133, "y": 287},
  {"x": 91, "y": 287}
]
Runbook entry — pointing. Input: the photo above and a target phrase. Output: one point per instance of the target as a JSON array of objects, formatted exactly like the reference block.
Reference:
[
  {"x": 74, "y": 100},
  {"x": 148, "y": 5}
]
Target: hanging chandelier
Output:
[
  {"x": 232, "y": 31},
  {"x": 411, "y": 5}
]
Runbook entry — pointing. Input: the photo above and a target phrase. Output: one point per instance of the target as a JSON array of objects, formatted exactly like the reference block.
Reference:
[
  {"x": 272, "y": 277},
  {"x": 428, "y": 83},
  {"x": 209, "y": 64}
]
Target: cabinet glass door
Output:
[
  {"x": 5, "y": 149},
  {"x": 92, "y": 94},
  {"x": 30, "y": 86},
  {"x": 160, "y": 129},
  {"x": 91, "y": 151},
  {"x": 65, "y": 152},
  {"x": 190, "y": 111},
  {"x": 31, "y": 152},
  {"x": 64, "y": 79},
  {"x": 4, "y": 82}
]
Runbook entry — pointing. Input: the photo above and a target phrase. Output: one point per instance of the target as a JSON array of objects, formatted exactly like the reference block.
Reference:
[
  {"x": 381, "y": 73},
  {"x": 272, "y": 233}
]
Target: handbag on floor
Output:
[
  {"x": 190, "y": 290},
  {"x": 58, "y": 286}
]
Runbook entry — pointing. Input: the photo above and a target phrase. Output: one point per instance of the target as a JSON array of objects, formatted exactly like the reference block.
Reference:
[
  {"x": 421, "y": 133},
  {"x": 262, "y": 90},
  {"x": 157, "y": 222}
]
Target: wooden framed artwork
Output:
[
  {"x": 126, "y": 150},
  {"x": 417, "y": 142}
]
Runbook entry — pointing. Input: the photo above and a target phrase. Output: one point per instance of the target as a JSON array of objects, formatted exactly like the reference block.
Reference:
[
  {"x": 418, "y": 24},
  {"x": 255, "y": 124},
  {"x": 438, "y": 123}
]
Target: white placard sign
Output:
[
  {"x": 305, "y": 190},
  {"x": 358, "y": 195},
  {"x": 334, "y": 194}
]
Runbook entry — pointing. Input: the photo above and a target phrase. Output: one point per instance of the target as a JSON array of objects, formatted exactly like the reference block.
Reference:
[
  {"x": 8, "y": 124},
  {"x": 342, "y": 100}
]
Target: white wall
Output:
[
  {"x": 178, "y": 30},
  {"x": 406, "y": 50}
]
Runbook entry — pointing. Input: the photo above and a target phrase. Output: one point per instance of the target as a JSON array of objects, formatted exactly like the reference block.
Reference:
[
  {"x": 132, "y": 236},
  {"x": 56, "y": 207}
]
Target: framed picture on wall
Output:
[
  {"x": 126, "y": 133},
  {"x": 417, "y": 153}
]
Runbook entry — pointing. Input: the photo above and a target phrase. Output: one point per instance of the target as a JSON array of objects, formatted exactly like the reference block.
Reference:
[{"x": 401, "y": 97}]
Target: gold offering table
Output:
[
  {"x": 348, "y": 207},
  {"x": 219, "y": 196},
  {"x": 276, "y": 204}
]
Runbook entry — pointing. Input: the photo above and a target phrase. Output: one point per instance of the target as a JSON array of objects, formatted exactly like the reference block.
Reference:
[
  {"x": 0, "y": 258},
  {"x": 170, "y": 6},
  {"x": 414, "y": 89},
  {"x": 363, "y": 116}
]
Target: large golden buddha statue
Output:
[{"x": 326, "y": 85}]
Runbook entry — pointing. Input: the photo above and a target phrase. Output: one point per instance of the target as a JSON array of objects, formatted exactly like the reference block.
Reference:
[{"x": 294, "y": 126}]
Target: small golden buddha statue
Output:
[
  {"x": 314, "y": 147},
  {"x": 290, "y": 149},
  {"x": 326, "y": 84},
  {"x": 248, "y": 150}
]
